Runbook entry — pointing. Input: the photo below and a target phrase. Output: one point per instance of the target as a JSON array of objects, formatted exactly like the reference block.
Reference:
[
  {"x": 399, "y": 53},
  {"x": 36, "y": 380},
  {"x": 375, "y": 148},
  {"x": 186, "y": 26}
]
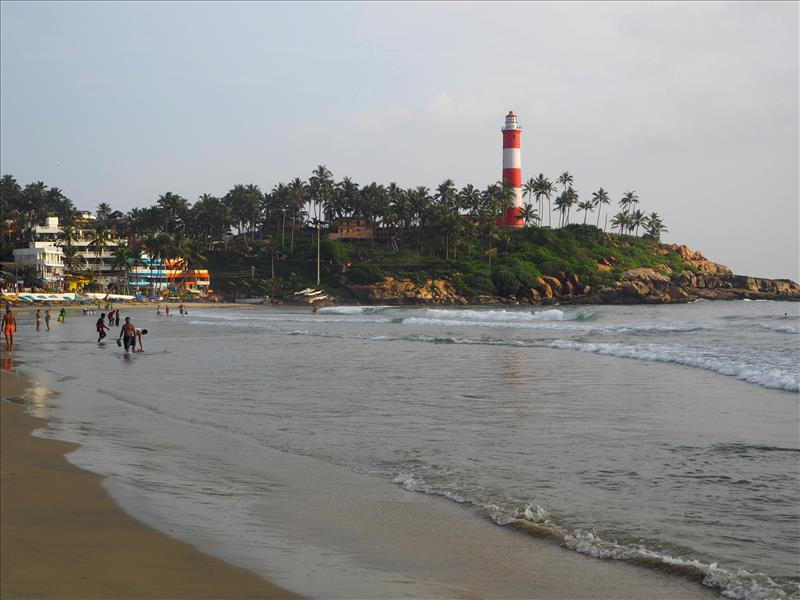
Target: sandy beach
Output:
[{"x": 64, "y": 537}]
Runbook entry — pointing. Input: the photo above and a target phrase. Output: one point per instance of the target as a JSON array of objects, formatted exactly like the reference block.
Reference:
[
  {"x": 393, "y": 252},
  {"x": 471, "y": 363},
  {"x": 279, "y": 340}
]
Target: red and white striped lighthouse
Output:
[{"x": 512, "y": 169}]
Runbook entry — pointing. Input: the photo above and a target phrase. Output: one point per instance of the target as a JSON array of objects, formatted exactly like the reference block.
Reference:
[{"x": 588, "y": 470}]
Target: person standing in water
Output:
[
  {"x": 128, "y": 336},
  {"x": 116, "y": 318},
  {"x": 9, "y": 328},
  {"x": 166, "y": 309},
  {"x": 47, "y": 319},
  {"x": 38, "y": 319},
  {"x": 101, "y": 327},
  {"x": 62, "y": 315},
  {"x": 158, "y": 310}
]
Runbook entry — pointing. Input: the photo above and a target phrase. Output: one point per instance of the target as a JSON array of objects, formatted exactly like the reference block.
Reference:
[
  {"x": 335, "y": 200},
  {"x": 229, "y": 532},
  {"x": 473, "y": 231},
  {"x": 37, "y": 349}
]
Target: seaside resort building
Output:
[
  {"x": 156, "y": 275},
  {"x": 45, "y": 252}
]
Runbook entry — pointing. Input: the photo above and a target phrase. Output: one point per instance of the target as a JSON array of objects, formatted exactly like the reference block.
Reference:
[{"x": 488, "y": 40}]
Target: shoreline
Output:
[{"x": 64, "y": 537}]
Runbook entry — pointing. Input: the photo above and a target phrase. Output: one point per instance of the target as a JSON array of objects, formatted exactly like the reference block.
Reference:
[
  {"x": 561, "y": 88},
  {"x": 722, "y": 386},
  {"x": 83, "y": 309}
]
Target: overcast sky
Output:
[{"x": 693, "y": 106}]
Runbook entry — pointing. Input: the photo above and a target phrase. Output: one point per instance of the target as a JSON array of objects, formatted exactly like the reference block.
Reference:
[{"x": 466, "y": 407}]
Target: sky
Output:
[{"x": 694, "y": 106}]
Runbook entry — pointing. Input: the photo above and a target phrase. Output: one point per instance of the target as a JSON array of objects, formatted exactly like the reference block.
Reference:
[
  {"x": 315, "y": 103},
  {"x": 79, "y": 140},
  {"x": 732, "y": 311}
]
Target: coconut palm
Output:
[
  {"x": 599, "y": 198},
  {"x": 628, "y": 200},
  {"x": 620, "y": 221},
  {"x": 102, "y": 212},
  {"x": 99, "y": 242},
  {"x": 637, "y": 219},
  {"x": 529, "y": 214},
  {"x": 566, "y": 180},
  {"x": 122, "y": 262},
  {"x": 73, "y": 262},
  {"x": 585, "y": 206},
  {"x": 655, "y": 226}
]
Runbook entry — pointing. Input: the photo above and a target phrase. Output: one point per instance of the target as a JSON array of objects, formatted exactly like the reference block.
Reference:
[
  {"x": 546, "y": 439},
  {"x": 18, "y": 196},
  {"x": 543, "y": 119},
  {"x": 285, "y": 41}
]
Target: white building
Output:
[
  {"x": 46, "y": 252},
  {"x": 46, "y": 257}
]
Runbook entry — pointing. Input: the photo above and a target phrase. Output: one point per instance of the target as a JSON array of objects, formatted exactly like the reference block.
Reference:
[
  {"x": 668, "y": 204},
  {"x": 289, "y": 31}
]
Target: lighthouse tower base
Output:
[{"x": 512, "y": 218}]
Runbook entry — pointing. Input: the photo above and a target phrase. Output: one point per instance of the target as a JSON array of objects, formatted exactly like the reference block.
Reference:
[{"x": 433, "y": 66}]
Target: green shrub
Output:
[
  {"x": 333, "y": 250},
  {"x": 366, "y": 274},
  {"x": 504, "y": 280}
]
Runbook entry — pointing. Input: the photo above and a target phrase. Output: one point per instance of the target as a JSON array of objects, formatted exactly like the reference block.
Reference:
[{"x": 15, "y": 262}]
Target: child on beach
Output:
[{"x": 101, "y": 327}]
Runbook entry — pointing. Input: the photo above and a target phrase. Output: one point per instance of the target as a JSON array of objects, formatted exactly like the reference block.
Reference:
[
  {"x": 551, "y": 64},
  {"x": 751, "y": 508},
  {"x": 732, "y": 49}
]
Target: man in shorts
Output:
[
  {"x": 9, "y": 328},
  {"x": 101, "y": 327},
  {"x": 128, "y": 336}
]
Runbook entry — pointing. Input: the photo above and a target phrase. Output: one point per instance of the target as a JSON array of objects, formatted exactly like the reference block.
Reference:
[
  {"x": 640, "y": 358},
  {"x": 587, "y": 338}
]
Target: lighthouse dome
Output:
[{"x": 511, "y": 121}]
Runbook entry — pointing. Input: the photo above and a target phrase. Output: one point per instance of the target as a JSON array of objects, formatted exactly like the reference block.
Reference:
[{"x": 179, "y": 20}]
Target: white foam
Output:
[
  {"x": 766, "y": 376},
  {"x": 737, "y": 585},
  {"x": 552, "y": 314},
  {"x": 352, "y": 310}
]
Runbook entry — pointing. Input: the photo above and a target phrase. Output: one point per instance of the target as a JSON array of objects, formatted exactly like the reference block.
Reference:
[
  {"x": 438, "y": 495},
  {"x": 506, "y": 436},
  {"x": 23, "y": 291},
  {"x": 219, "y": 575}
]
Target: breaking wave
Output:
[
  {"x": 737, "y": 584},
  {"x": 552, "y": 314}
]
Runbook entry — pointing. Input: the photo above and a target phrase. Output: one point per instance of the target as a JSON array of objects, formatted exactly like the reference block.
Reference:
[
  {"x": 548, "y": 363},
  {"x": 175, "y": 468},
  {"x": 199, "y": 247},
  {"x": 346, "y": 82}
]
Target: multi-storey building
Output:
[
  {"x": 156, "y": 275},
  {"x": 45, "y": 252}
]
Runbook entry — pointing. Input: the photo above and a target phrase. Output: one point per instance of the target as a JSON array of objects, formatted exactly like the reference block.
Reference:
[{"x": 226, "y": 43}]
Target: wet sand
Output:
[{"x": 64, "y": 537}]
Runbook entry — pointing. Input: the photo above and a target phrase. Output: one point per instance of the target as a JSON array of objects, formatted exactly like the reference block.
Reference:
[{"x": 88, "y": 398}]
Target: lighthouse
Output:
[{"x": 512, "y": 169}]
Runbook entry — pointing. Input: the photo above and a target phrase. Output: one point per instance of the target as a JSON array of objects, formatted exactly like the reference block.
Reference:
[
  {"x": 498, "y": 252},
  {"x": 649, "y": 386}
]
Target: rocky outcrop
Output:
[
  {"x": 405, "y": 291},
  {"x": 648, "y": 286}
]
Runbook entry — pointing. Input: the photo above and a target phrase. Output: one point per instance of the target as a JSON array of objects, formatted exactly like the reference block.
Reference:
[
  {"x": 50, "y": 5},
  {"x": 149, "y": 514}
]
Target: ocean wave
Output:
[
  {"x": 737, "y": 584},
  {"x": 353, "y": 310},
  {"x": 555, "y": 325},
  {"x": 552, "y": 314},
  {"x": 701, "y": 358},
  {"x": 765, "y": 376},
  {"x": 779, "y": 328}
]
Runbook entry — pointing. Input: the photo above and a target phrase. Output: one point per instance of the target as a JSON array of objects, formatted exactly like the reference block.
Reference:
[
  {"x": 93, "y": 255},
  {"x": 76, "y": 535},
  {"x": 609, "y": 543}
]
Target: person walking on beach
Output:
[
  {"x": 47, "y": 319},
  {"x": 166, "y": 309},
  {"x": 38, "y": 319},
  {"x": 128, "y": 336},
  {"x": 101, "y": 327},
  {"x": 158, "y": 310},
  {"x": 9, "y": 328}
]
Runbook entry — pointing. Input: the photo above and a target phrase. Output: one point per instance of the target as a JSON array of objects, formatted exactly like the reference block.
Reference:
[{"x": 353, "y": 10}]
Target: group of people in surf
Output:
[
  {"x": 129, "y": 334},
  {"x": 181, "y": 308}
]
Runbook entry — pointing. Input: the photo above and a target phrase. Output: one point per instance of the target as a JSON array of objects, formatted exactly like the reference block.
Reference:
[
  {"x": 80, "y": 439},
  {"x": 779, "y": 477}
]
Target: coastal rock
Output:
[{"x": 406, "y": 291}]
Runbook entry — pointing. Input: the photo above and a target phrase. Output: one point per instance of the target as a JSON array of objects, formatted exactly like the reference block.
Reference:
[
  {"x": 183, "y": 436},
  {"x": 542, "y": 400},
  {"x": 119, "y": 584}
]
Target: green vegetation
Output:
[{"x": 258, "y": 243}]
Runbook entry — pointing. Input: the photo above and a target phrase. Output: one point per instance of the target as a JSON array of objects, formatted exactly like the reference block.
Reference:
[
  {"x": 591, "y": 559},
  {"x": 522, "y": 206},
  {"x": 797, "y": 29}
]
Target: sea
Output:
[{"x": 664, "y": 436}]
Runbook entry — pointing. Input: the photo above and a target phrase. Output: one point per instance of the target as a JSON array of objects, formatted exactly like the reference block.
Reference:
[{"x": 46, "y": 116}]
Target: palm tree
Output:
[
  {"x": 529, "y": 189},
  {"x": 99, "y": 242},
  {"x": 585, "y": 206},
  {"x": 565, "y": 179},
  {"x": 171, "y": 206},
  {"x": 72, "y": 260},
  {"x": 122, "y": 262},
  {"x": 321, "y": 183},
  {"x": 102, "y": 212},
  {"x": 599, "y": 198},
  {"x": 638, "y": 218},
  {"x": 655, "y": 226},
  {"x": 628, "y": 200},
  {"x": 529, "y": 214},
  {"x": 621, "y": 221},
  {"x": 297, "y": 199}
]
